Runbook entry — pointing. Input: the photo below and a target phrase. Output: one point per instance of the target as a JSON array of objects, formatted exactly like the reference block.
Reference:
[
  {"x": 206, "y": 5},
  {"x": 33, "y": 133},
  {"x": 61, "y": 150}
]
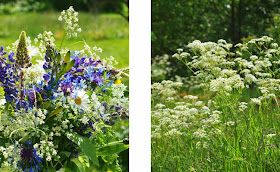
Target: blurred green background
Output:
[{"x": 104, "y": 24}]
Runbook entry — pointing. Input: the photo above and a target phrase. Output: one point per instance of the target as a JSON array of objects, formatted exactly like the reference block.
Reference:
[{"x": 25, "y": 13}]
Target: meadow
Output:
[
  {"x": 108, "y": 31},
  {"x": 225, "y": 115}
]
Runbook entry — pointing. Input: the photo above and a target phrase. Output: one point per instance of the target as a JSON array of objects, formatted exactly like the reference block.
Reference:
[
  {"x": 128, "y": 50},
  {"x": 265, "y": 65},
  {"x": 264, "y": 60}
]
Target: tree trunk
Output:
[
  {"x": 233, "y": 32},
  {"x": 95, "y": 5},
  {"x": 239, "y": 20}
]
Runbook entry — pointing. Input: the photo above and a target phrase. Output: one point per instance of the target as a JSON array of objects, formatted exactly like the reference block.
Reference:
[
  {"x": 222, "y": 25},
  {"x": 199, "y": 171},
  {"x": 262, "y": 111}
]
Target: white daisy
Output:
[
  {"x": 32, "y": 51},
  {"x": 80, "y": 100}
]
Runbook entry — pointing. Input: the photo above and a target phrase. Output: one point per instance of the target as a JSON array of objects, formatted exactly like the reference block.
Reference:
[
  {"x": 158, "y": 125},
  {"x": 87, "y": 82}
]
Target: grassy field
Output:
[
  {"x": 108, "y": 31},
  {"x": 232, "y": 122}
]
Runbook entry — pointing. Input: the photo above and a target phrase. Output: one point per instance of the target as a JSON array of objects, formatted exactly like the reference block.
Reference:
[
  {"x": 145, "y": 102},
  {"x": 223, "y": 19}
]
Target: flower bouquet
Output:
[{"x": 58, "y": 112}]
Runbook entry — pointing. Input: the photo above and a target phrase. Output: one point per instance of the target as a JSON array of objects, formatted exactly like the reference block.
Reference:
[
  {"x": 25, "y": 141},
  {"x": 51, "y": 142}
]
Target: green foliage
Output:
[
  {"x": 274, "y": 30},
  {"x": 176, "y": 23},
  {"x": 234, "y": 124},
  {"x": 95, "y": 6},
  {"x": 112, "y": 148},
  {"x": 84, "y": 161},
  {"x": 20, "y": 6},
  {"x": 86, "y": 145}
]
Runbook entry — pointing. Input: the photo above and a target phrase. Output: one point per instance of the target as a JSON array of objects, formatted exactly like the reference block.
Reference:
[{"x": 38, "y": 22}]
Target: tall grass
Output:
[{"x": 234, "y": 124}]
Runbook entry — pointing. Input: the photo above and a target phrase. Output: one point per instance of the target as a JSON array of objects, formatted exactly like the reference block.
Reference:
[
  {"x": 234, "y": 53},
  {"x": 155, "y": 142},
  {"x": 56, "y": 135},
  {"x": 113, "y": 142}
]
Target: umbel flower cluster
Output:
[
  {"x": 228, "y": 112},
  {"x": 58, "y": 108},
  {"x": 254, "y": 63}
]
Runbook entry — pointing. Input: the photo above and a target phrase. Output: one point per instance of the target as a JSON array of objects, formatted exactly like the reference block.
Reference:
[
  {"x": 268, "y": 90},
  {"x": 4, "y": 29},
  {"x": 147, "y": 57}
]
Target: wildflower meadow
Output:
[
  {"x": 225, "y": 115},
  {"x": 59, "y": 107}
]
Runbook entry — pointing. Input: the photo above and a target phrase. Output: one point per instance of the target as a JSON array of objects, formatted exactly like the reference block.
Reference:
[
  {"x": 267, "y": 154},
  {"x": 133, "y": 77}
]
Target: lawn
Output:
[{"x": 108, "y": 31}]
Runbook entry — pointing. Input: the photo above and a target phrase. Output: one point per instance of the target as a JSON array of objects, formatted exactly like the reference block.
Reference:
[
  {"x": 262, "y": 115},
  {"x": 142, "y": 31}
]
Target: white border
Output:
[{"x": 140, "y": 85}]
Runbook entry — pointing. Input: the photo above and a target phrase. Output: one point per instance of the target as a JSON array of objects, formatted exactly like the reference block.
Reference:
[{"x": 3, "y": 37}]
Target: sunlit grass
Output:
[{"x": 108, "y": 31}]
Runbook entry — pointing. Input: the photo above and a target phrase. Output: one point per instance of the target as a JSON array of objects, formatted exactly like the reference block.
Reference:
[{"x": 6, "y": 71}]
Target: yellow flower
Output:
[{"x": 118, "y": 81}]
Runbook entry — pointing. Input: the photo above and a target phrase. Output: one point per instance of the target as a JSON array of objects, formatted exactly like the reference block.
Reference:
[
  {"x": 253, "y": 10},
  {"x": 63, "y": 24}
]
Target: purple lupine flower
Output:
[
  {"x": 11, "y": 58},
  {"x": 47, "y": 66},
  {"x": 2, "y": 52},
  {"x": 46, "y": 77}
]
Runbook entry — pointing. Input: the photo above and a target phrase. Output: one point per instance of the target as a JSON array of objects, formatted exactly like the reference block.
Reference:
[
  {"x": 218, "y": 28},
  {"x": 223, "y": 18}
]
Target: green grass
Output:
[
  {"x": 232, "y": 124},
  {"x": 242, "y": 147},
  {"x": 108, "y": 31}
]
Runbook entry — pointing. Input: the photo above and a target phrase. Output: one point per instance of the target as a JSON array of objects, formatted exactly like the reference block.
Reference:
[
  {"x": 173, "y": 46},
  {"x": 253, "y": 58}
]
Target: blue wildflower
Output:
[
  {"x": 2, "y": 52},
  {"x": 11, "y": 58},
  {"x": 29, "y": 158}
]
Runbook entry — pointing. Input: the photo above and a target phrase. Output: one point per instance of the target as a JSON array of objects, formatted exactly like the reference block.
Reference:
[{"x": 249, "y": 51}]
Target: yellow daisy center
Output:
[
  {"x": 118, "y": 81},
  {"x": 29, "y": 52},
  {"x": 78, "y": 100}
]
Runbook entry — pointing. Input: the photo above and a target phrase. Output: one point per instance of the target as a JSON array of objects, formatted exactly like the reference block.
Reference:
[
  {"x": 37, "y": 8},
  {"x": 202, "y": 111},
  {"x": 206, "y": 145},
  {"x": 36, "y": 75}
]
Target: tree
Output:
[
  {"x": 175, "y": 23},
  {"x": 120, "y": 6}
]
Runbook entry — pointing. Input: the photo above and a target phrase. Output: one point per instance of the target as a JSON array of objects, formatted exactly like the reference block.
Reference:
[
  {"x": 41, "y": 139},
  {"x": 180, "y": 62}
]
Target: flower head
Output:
[
  {"x": 29, "y": 158},
  {"x": 80, "y": 100},
  {"x": 71, "y": 22},
  {"x": 32, "y": 51}
]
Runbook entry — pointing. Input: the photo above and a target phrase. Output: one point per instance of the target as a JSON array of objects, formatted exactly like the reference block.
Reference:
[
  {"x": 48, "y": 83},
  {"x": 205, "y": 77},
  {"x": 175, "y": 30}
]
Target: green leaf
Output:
[
  {"x": 111, "y": 148},
  {"x": 3, "y": 141},
  {"x": 78, "y": 164},
  {"x": 82, "y": 162},
  {"x": 58, "y": 59},
  {"x": 67, "y": 57},
  {"x": 5, "y": 169},
  {"x": 10, "y": 109},
  {"x": 2, "y": 92},
  {"x": 39, "y": 97},
  {"x": 69, "y": 167},
  {"x": 85, "y": 144},
  {"x": 67, "y": 154},
  {"x": 64, "y": 155},
  {"x": 25, "y": 137},
  {"x": 65, "y": 69},
  {"x": 47, "y": 104},
  {"x": 51, "y": 169},
  {"x": 68, "y": 67},
  {"x": 56, "y": 111}
]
